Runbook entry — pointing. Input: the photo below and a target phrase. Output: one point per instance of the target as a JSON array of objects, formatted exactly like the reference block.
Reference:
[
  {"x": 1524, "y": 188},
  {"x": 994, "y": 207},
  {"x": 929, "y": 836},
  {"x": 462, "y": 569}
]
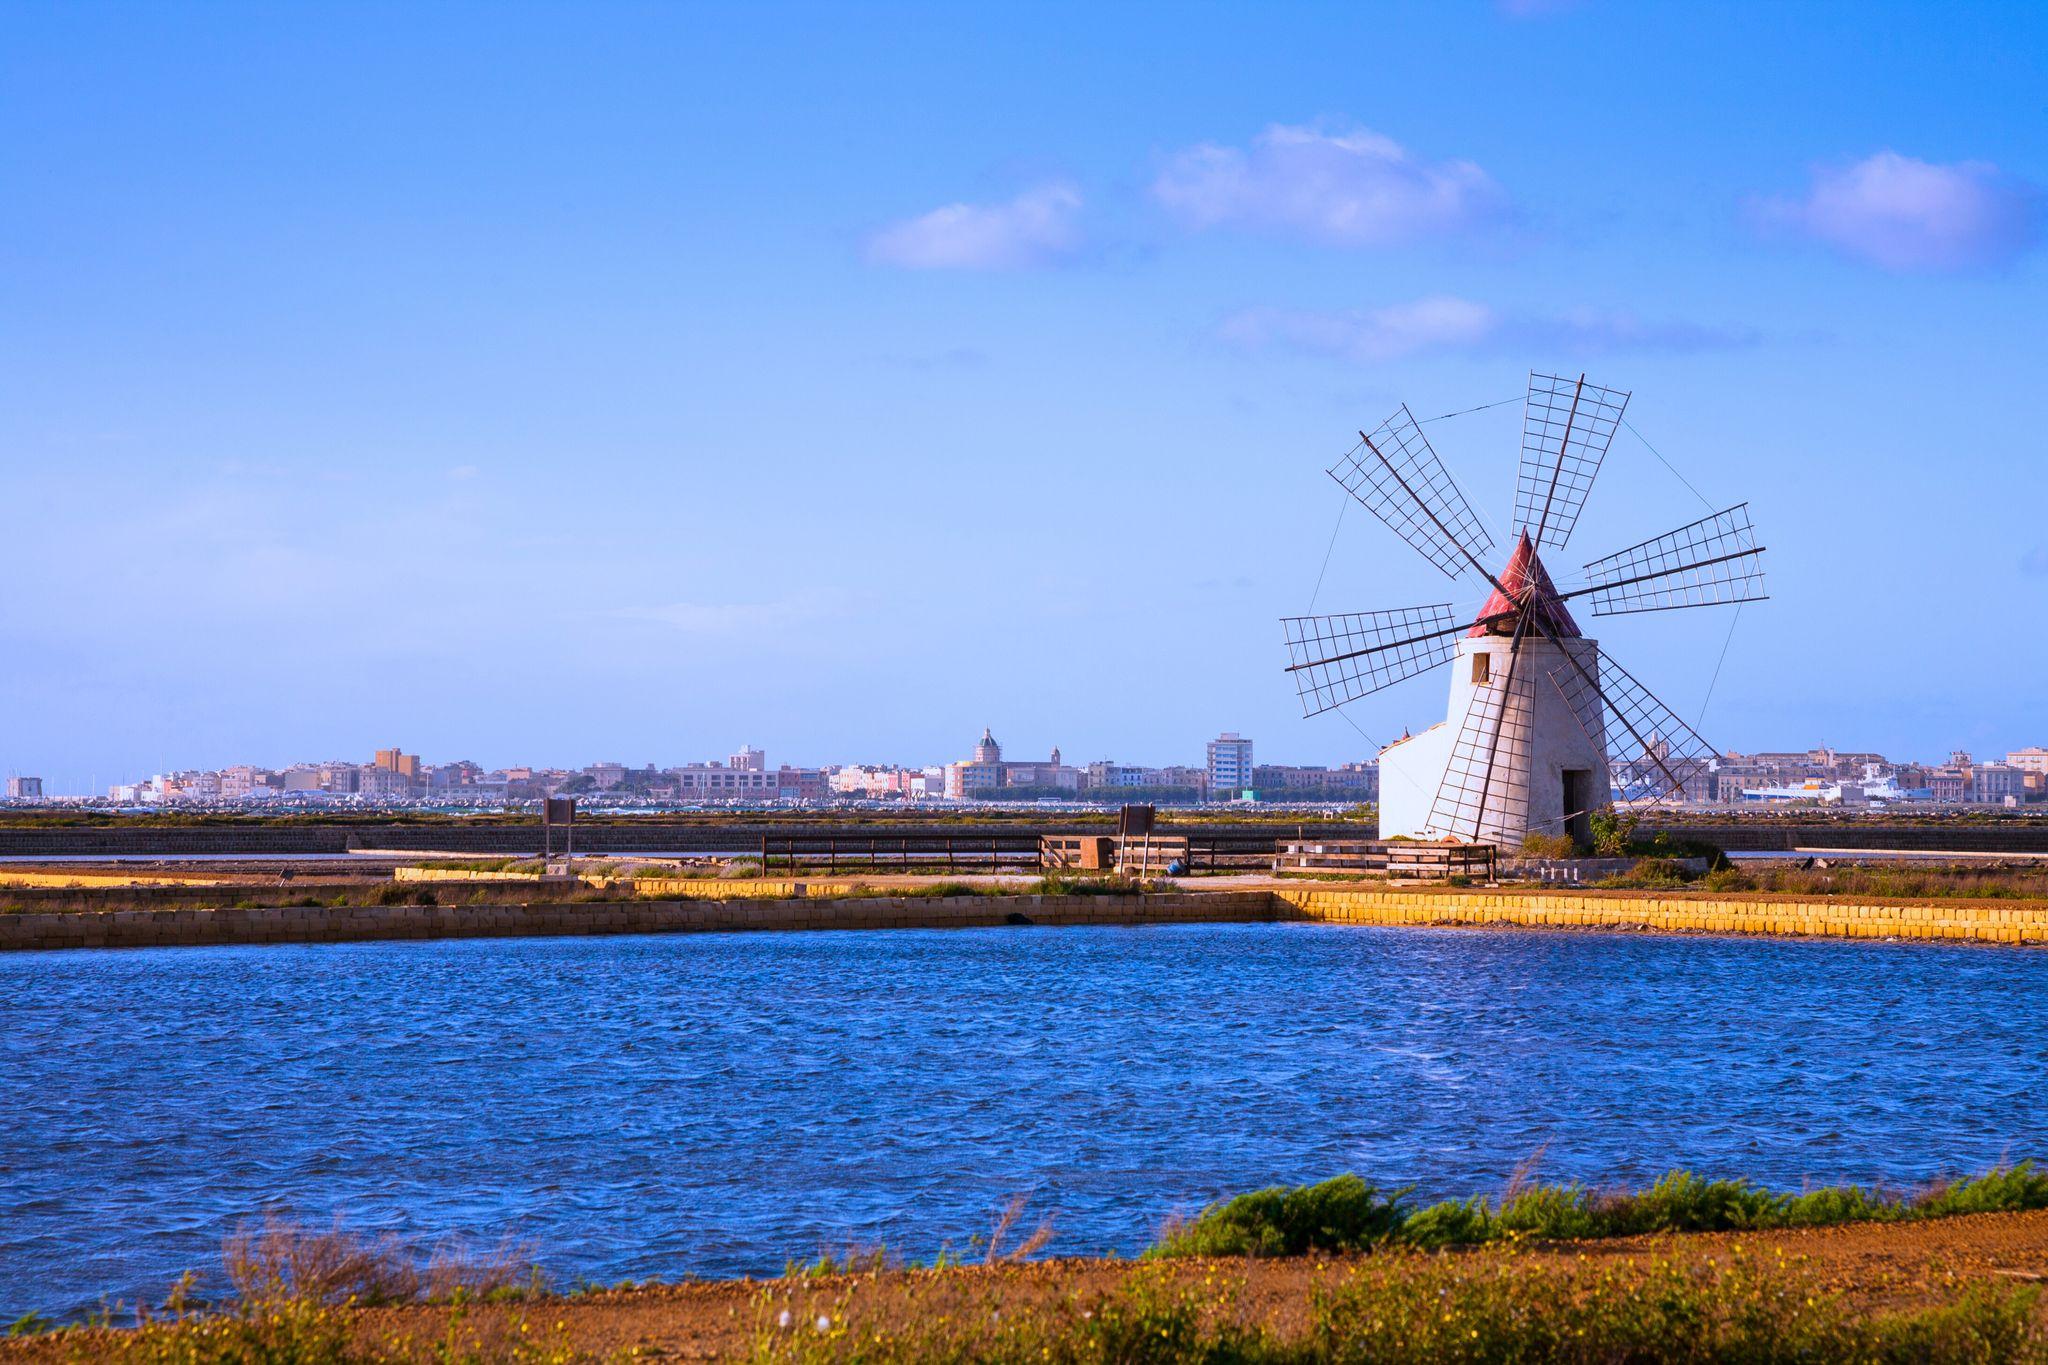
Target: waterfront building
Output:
[
  {"x": 748, "y": 760},
  {"x": 800, "y": 784},
  {"x": 1947, "y": 785},
  {"x": 1997, "y": 784},
  {"x": 986, "y": 774},
  {"x": 244, "y": 783},
  {"x": 717, "y": 782},
  {"x": 24, "y": 789},
  {"x": 1230, "y": 764},
  {"x": 1352, "y": 782},
  {"x": 460, "y": 773},
  {"x": 605, "y": 776}
]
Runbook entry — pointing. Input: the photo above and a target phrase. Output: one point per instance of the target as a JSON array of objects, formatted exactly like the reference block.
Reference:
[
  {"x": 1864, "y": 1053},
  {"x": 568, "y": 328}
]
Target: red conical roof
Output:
[{"x": 1529, "y": 585}]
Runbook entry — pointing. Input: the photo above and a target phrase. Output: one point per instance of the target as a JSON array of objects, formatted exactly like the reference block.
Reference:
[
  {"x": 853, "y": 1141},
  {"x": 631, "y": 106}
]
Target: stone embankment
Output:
[
  {"x": 1979, "y": 921},
  {"x": 340, "y": 924},
  {"x": 768, "y": 905}
]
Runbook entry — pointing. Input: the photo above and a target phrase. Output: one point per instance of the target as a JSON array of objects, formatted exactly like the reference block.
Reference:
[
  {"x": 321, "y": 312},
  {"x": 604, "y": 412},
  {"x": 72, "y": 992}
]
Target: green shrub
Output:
[
  {"x": 1347, "y": 1214},
  {"x": 2004, "y": 1190},
  {"x": 1835, "y": 1204},
  {"x": 1454, "y": 1222},
  {"x": 1613, "y": 833},
  {"x": 1344, "y": 1214}
]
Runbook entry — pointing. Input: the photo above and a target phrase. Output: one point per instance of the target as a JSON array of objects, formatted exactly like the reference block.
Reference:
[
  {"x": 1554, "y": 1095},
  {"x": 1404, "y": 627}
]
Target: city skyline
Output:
[
  {"x": 337, "y": 419},
  {"x": 1227, "y": 769}
]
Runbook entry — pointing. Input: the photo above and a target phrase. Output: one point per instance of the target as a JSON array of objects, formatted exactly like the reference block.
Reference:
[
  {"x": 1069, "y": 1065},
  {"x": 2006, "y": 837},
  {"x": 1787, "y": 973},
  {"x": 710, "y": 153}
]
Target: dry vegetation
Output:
[{"x": 1329, "y": 1273}]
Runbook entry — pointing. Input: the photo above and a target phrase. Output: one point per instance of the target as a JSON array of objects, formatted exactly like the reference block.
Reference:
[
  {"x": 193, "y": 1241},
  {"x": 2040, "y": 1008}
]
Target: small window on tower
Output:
[{"x": 1482, "y": 669}]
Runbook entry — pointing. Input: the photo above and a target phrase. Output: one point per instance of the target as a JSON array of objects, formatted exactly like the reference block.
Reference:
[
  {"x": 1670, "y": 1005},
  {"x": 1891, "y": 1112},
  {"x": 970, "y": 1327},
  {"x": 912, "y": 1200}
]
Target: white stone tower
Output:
[{"x": 1511, "y": 756}]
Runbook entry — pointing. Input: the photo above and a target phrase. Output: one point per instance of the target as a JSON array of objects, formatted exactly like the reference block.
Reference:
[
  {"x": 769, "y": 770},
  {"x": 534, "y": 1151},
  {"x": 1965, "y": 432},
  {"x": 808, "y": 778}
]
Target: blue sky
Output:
[{"x": 553, "y": 383}]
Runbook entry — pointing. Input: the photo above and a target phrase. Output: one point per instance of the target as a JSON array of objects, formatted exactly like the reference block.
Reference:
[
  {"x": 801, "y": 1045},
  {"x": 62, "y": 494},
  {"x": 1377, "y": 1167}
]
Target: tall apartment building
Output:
[
  {"x": 398, "y": 761},
  {"x": 1230, "y": 765},
  {"x": 748, "y": 760}
]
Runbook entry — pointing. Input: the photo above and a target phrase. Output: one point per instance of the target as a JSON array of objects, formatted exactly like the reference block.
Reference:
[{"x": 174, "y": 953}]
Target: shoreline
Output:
[
  {"x": 1850, "y": 1276},
  {"x": 839, "y": 905}
]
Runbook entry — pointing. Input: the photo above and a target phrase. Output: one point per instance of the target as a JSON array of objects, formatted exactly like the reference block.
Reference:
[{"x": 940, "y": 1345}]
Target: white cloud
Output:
[
  {"x": 1445, "y": 323},
  {"x": 1038, "y": 227},
  {"x": 1430, "y": 324},
  {"x": 1905, "y": 214},
  {"x": 1346, "y": 188}
]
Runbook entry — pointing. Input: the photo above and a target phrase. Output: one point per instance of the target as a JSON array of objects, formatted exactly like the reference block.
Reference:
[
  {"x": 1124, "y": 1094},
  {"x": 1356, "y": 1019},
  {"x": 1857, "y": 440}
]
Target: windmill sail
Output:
[
  {"x": 1653, "y": 755},
  {"x": 1485, "y": 786},
  {"x": 1398, "y": 477},
  {"x": 1567, "y": 425},
  {"x": 1709, "y": 562},
  {"x": 1340, "y": 658}
]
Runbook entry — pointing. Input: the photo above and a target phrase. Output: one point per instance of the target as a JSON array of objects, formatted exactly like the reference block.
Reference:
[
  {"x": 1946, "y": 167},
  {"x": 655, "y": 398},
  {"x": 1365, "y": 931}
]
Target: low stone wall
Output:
[
  {"x": 1982, "y": 922},
  {"x": 44, "y": 881},
  {"x": 655, "y": 888},
  {"x": 340, "y": 924},
  {"x": 1976, "y": 921}
]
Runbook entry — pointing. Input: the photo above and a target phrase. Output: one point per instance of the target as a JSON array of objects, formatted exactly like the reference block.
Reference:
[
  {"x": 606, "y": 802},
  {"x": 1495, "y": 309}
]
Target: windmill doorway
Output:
[{"x": 1578, "y": 797}]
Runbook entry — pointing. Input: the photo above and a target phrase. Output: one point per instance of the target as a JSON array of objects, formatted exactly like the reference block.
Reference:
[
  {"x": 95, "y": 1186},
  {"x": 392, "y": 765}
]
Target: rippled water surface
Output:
[{"x": 717, "y": 1104}]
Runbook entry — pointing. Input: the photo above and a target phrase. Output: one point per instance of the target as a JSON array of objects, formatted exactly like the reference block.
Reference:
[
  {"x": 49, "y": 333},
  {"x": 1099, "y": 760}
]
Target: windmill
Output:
[{"x": 1543, "y": 727}]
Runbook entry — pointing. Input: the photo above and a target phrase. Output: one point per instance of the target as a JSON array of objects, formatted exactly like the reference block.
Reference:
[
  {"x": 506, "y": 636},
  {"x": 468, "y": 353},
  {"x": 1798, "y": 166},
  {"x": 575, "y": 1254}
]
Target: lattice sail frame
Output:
[
  {"x": 1396, "y": 474},
  {"x": 1711, "y": 562},
  {"x": 1663, "y": 755},
  {"x": 1484, "y": 793},
  {"x": 1567, "y": 425},
  {"x": 1340, "y": 658}
]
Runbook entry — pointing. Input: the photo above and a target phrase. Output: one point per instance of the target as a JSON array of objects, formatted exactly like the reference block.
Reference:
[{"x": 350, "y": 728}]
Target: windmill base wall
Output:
[{"x": 1528, "y": 791}]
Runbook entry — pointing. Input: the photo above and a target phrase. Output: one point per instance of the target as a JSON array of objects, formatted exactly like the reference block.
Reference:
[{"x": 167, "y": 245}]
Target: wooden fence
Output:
[{"x": 1411, "y": 858}]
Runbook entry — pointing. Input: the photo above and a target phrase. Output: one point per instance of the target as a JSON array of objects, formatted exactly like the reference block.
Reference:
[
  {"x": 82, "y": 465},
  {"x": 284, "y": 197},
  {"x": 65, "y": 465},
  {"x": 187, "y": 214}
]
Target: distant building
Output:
[
  {"x": 460, "y": 773},
  {"x": 1947, "y": 784},
  {"x": 24, "y": 789},
  {"x": 1992, "y": 783},
  {"x": 2034, "y": 762},
  {"x": 1230, "y": 764},
  {"x": 748, "y": 760},
  {"x": 800, "y": 784},
  {"x": 398, "y": 761},
  {"x": 378, "y": 780},
  {"x": 987, "y": 773},
  {"x": 1352, "y": 782},
  {"x": 717, "y": 782},
  {"x": 244, "y": 783},
  {"x": 872, "y": 780}
]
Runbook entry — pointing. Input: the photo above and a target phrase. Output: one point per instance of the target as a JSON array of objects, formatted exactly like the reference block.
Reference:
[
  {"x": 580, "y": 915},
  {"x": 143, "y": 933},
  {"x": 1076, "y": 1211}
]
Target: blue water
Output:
[{"x": 718, "y": 1104}]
